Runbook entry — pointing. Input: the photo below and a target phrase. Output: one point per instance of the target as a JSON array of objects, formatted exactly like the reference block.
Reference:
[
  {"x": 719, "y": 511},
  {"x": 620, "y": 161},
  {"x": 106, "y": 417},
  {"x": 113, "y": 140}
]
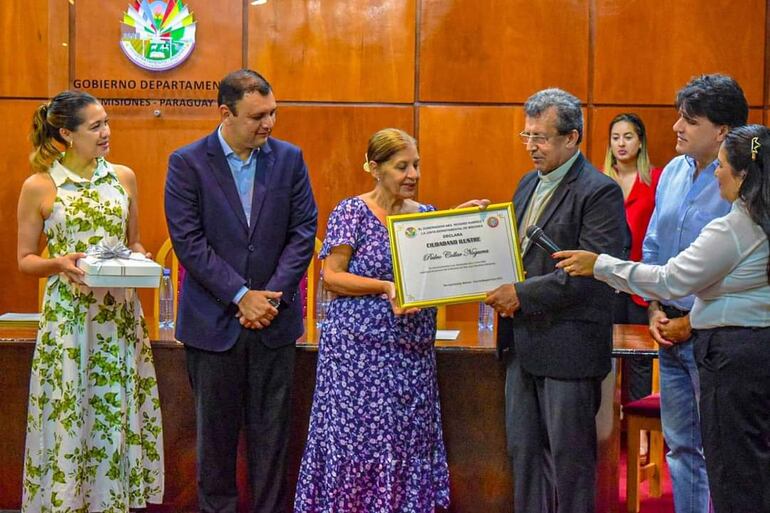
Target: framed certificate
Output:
[{"x": 454, "y": 256}]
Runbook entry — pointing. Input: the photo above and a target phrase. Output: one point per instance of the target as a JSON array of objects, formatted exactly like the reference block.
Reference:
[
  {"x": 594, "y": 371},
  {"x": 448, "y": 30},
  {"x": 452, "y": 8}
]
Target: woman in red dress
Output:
[{"x": 628, "y": 163}]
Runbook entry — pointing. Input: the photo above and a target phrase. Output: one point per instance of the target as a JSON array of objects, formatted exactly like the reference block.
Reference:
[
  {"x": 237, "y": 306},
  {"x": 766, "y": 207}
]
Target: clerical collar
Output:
[{"x": 557, "y": 174}]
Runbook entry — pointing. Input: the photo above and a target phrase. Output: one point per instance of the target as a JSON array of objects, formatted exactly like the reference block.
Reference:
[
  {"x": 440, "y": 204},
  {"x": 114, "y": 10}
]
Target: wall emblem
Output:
[{"x": 157, "y": 34}]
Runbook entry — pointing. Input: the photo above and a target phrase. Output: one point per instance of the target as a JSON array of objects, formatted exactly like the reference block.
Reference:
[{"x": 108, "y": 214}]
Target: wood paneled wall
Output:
[{"x": 453, "y": 72}]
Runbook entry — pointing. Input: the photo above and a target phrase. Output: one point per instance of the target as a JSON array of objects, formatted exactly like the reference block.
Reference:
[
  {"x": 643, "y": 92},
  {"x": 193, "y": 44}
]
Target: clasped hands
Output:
[
  {"x": 254, "y": 309},
  {"x": 668, "y": 332}
]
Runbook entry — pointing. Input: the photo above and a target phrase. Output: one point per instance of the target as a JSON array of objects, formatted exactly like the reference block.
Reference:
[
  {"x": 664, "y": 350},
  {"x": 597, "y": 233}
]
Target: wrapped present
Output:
[{"x": 117, "y": 266}]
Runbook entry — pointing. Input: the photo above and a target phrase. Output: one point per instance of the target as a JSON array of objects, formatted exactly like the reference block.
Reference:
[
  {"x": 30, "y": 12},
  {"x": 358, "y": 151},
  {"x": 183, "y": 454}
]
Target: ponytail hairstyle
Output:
[
  {"x": 642, "y": 157},
  {"x": 63, "y": 111},
  {"x": 748, "y": 153}
]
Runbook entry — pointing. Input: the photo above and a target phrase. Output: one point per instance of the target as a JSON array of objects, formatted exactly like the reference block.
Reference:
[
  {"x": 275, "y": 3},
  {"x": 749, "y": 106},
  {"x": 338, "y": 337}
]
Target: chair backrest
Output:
[
  {"x": 312, "y": 271},
  {"x": 41, "y": 283},
  {"x": 166, "y": 258},
  {"x": 441, "y": 317}
]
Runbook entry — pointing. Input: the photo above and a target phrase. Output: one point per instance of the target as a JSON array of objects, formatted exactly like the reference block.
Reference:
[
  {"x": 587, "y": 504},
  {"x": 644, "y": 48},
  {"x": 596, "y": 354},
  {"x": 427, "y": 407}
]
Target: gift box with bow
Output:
[{"x": 117, "y": 266}]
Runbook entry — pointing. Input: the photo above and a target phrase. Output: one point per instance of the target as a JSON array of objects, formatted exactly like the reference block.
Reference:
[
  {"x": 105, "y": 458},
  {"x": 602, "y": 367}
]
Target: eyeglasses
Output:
[{"x": 535, "y": 138}]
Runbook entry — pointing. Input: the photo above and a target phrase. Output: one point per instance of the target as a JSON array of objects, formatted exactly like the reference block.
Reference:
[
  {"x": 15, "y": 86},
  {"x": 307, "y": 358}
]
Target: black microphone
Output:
[{"x": 538, "y": 236}]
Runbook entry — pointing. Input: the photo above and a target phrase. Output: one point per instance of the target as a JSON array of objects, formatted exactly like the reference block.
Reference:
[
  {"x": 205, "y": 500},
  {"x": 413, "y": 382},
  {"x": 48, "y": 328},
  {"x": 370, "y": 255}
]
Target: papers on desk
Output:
[
  {"x": 447, "y": 334},
  {"x": 20, "y": 320}
]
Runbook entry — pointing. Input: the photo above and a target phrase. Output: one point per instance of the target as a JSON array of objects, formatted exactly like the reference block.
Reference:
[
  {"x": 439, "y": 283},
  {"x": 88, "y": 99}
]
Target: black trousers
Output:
[
  {"x": 551, "y": 431},
  {"x": 248, "y": 385},
  {"x": 637, "y": 370},
  {"x": 734, "y": 368}
]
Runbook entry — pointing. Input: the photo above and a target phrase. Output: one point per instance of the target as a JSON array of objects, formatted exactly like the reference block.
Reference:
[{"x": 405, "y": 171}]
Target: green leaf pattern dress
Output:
[{"x": 94, "y": 437}]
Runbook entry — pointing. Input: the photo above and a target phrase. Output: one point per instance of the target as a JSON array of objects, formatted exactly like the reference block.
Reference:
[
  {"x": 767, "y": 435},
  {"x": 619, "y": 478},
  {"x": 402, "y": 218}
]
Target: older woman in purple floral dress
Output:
[{"x": 375, "y": 443}]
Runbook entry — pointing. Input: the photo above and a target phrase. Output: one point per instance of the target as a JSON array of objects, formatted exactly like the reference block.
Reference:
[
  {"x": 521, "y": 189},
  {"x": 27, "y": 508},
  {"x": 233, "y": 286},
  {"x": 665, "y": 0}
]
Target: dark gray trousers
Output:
[
  {"x": 734, "y": 368},
  {"x": 248, "y": 385},
  {"x": 551, "y": 432}
]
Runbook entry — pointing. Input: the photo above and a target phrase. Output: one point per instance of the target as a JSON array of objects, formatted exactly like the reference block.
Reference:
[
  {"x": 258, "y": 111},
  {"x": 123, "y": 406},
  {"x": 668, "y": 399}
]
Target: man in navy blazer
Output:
[
  {"x": 242, "y": 220},
  {"x": 556, "y": 330}
]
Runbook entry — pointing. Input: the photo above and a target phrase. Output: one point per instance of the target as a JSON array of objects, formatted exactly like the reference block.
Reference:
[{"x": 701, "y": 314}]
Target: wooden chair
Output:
[
  {"x": 312, "y": 272},
  {"x": 644, "y": 414},
  {"x": 441, "y": 317}
]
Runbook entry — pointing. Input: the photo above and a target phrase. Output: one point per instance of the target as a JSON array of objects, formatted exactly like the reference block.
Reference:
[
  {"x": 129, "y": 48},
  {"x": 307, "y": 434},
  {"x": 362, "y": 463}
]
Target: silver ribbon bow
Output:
[{"x": 106, "y": 251}]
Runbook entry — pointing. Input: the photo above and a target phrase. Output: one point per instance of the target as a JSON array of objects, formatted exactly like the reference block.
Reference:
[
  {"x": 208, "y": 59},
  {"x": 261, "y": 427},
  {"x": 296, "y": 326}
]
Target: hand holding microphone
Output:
[{"x": 573, "y": 262}]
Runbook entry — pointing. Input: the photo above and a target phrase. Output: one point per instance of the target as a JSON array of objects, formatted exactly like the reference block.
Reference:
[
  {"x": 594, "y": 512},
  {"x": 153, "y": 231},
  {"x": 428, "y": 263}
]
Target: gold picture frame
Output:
[{"x": 454, "y": 256}]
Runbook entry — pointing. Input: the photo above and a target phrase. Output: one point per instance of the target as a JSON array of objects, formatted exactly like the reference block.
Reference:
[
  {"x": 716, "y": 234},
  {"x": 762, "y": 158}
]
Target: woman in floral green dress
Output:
[{"x": 94, "y": 438}]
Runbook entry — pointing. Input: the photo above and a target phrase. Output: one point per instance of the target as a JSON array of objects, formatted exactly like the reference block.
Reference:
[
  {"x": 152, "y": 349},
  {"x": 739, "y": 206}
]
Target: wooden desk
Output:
[
  {"x": 471, "y": 383},
  {"x": 633, "y": 340}
]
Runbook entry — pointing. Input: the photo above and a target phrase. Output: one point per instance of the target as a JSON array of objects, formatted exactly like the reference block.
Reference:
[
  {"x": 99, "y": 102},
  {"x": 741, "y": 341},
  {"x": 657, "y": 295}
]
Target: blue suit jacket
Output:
[
  {"x": 221, "y": 252},
  {"x": 564, "y": 327}
]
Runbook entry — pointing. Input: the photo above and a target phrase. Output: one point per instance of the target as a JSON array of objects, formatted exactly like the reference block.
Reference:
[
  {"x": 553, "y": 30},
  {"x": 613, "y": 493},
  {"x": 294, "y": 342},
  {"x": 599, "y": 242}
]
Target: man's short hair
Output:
[
  {"x": 716, "y": 97},
  {"x": 569, "y": 117},
  {"x": 239, "y": 83}
]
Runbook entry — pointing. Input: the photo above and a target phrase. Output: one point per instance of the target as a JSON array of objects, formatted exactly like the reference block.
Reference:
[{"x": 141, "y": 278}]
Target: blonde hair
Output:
[
  {"x": 642, "y": 158},
  {"x": 63, "y": 111},
  {"x": 384, "y": 144}
]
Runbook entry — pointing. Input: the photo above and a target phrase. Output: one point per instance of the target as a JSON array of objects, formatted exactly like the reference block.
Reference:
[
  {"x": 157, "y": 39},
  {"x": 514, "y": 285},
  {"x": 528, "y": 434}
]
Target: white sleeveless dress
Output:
[{"x": 94, "y": 436}]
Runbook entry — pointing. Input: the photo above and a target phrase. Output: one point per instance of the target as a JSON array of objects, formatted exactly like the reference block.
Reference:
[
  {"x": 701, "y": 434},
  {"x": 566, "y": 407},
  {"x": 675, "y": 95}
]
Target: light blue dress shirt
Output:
[
  {"x": 683, "y": 207},
  {"x": 726, "y": 269},
  {"x": 243, "y": 172}
]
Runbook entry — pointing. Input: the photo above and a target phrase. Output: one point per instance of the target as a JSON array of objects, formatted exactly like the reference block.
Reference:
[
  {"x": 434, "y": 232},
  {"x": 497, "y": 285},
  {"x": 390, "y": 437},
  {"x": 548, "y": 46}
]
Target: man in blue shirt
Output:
[
  {"x": 242, "y": 218},
  {"x": 687, "y": 199}
]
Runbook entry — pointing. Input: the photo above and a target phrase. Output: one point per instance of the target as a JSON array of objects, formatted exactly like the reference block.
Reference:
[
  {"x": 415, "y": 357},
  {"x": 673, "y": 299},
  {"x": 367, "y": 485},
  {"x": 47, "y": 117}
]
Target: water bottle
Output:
[
  {"x": 486, "y": 317},
  {"x": 166, "y": 303},
  {"x": 321, "y": 302}
]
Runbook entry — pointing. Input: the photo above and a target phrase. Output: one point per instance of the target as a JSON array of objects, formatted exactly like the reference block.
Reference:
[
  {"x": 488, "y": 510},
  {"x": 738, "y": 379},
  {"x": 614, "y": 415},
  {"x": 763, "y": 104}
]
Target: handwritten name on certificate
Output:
[{"x": 454, "y": 256}]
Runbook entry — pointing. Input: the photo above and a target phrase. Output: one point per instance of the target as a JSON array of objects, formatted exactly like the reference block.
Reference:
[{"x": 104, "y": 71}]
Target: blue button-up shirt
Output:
[
  {"x": 683, "y": 206},
  {"x": 243, "y": 175},
  {"x": 243, "y": 172}
]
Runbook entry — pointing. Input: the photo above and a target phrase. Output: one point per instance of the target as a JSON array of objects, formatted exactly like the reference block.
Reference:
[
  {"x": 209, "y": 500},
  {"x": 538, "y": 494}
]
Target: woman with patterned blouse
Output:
[
  {"x": 375, "y": 443},
  {"x": 727, "y": 268},
  {"x": 94, "y": 438}
]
